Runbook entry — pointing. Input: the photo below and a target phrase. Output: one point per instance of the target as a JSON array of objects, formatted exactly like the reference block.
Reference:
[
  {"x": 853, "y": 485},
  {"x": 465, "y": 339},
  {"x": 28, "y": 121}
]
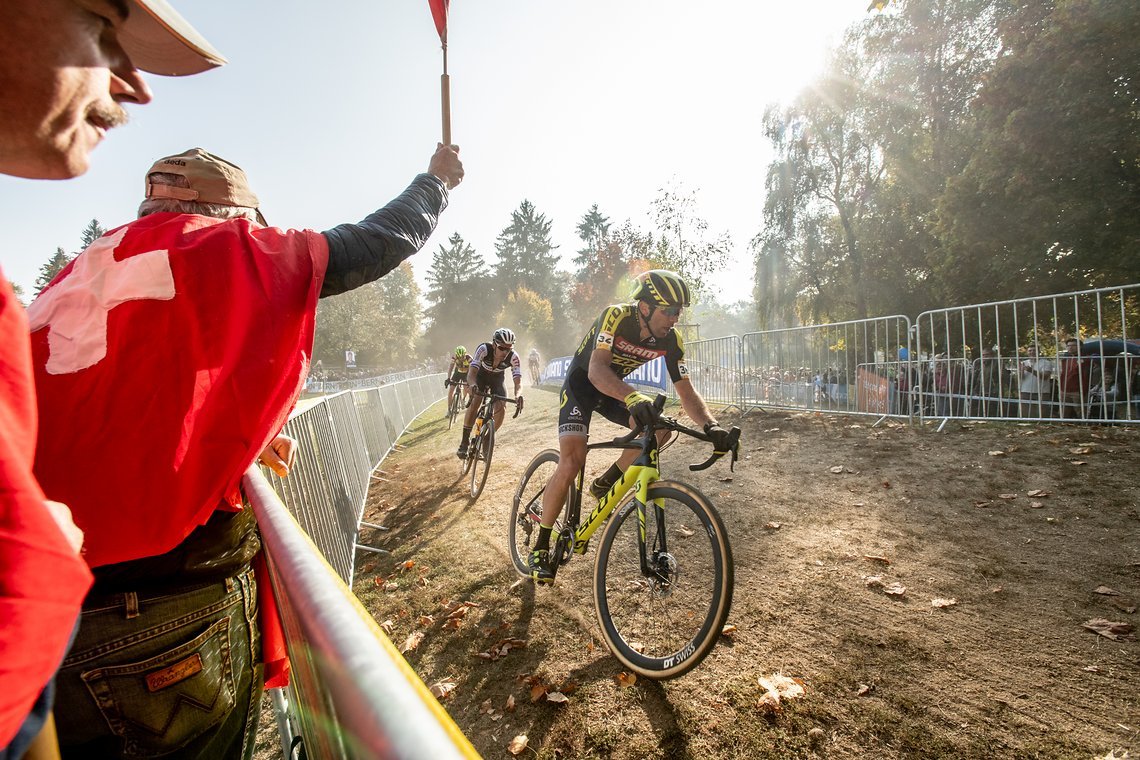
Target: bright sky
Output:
[{"x": 331, "y": 108}]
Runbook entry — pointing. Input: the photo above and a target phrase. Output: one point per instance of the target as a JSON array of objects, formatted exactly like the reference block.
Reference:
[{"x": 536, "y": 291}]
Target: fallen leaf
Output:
[
  {"x": 442, "y": 689},
  {"x": 459, "y": 613},
  {"x": 536, "y": 692},
  {"x": 895, "y": 589},
  {"x": 1007, "y": 496},
  {"x": 1091, "y": 669},
  {"x": 836, "y": 469},
  {"x": 982, "y": 504},
  {"x": 940, "y": 603},
  {"x": 1080, "y": 450},
  {"x": 485, "y": 707},
  {"x": 387, "y": 626},
  {"x": 1038, "y": 493},
  {"x": 886, "y": 484},
  {"x": 873, "y": 581},
  {"x": 1110, "y": 629},
  {"x": 877, "y": 558},
  {"x": 625, "y": 680},
  {"x": 452, "y": 624},
  {"x": 729, "y": 630},
  {"x": 516, "y": 584},
  {"x": 1035, "y": 505},
  {"x": 510, "y": 703},
  {"x": 778, "y": 687},
  {"x": 422, "y": 581},
  {"x": 426, "y": 620},
  {"x": 517, "y": 745},
  {"x": 864, "y": 689},
  {"x": 412, "y": 641},
  {"x": 408, "y": 565},
  {"x": 557, "y": 697},
  {"x": 391, "y": 586},
  {"x": 1106, "y": 591},
  {"x": 685, "y": 532},
  {"x": 772, "y": 526},
  {"x": 996, "y": 453},
  {"x": 1077, "y": 463}
]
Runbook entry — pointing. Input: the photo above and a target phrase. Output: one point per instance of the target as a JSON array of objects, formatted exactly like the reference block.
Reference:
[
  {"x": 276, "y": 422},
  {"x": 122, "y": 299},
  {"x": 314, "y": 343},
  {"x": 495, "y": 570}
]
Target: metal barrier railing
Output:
[
  {"x": 1010, "y": 359},
  {"x": 851, "y": 367},
  {"x": 341, "y": 441},
  {"x": 715, "y": 370},
  {"x": 359, "y": 697}
]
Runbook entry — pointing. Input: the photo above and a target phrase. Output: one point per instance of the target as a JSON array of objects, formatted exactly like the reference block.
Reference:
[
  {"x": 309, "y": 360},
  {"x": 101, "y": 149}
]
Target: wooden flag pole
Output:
[{"x": 445, "y": 97}]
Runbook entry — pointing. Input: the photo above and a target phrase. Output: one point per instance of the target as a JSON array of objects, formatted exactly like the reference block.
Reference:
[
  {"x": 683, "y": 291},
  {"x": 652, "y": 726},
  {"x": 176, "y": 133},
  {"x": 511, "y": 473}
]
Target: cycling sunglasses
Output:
[
  {"x": 505, "y": 346},
  {"x": 671, "y": 311}
]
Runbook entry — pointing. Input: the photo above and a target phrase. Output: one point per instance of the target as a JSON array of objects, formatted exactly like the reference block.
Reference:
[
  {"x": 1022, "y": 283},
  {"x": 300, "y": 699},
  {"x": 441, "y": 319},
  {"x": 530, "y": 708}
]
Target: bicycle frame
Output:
[{"x": 642, "y": 473}]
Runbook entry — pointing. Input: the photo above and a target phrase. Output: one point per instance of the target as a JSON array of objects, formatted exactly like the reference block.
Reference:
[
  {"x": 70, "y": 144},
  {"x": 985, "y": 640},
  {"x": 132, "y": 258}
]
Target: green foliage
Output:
[
  {"x": 531, "y": 318},
  {"x": 380, "y": 321},
  {"x": 17, "y": 291},
  {"x": 92, "y": 232},
  {"x": 526, "y": 253},
  {"x": 1049, "y": 199},
  {"x": 684, "y": 243},
  {"x": 51, "y": 268},
  {"x": 459, "y": 288}
]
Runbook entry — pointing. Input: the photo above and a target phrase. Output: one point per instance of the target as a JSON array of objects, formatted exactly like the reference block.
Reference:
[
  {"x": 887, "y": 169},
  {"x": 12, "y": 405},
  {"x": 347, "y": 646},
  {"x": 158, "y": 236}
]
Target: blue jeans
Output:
[{"x": 173, "y": 673}]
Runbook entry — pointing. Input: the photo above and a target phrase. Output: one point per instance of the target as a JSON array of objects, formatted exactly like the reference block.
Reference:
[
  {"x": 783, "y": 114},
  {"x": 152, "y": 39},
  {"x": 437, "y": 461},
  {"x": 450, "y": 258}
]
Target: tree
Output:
[
  {"x": 459, "y": 285},
  {"x": 92, "y": 232},
  {"x": 526, "y": 253},
  {"x": 594, "y": 231},
  {"x": 530, "y": 316},
  {"x": 399, "y": 325},
  {"x": 18, "y": 292},
  {"x": 51, "y": 268},
  {"x": 1049, "y": 199},
  {"x": 683, "y": 243}
]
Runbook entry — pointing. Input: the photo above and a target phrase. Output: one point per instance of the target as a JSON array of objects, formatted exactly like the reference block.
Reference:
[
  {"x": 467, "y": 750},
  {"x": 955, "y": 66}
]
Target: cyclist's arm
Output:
[
  {"x": 603, "y": 377},
  {"x": 692, "y": 402}
]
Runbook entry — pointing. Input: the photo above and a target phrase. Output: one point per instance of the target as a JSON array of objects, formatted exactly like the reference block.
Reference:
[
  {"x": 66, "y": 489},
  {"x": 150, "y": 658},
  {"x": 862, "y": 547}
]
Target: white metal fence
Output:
[{"x": 1012, "y": 359}]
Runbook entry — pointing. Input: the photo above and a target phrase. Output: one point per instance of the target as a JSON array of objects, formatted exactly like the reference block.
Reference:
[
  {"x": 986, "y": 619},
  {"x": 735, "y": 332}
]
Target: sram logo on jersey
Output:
[{"x": 632, "y": 349}]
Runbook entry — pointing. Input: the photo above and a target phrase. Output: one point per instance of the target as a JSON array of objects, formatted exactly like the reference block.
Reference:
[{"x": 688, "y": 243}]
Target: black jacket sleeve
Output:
[{"x": 363, "y": 252}]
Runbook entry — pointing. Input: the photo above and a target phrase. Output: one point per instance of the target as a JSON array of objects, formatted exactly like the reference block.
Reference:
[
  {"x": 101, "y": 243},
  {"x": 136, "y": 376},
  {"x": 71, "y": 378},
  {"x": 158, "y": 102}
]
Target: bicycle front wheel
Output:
[
  {"x": 484, "y": 447},
  {"x": 526, "y": 509},
  {"x": 661, "y": 622}
]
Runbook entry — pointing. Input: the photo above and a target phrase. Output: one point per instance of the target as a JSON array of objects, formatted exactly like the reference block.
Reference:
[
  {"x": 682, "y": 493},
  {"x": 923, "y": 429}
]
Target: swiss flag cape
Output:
[
  {"x": 166, "y": 356},
  {"x": 42, "y": 580}
]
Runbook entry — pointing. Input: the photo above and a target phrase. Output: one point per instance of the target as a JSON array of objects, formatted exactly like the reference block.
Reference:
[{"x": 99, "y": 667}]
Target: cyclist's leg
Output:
[
  {"x": 497, "y": 388},
  {"x": 468, "y": 423}
]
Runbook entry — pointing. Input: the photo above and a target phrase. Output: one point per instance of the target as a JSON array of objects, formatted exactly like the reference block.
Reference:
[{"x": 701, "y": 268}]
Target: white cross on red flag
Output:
[{"x": 149, "y": 427}]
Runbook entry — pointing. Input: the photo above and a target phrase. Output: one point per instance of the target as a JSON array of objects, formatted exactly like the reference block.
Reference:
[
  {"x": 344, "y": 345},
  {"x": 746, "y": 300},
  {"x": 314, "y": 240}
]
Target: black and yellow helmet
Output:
[{"x": 660, "y": 287}]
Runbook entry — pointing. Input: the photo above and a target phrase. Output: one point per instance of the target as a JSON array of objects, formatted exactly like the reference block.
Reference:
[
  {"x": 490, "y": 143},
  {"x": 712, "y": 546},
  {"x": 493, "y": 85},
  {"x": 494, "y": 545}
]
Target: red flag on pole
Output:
[{"x": 439, "y": 13}]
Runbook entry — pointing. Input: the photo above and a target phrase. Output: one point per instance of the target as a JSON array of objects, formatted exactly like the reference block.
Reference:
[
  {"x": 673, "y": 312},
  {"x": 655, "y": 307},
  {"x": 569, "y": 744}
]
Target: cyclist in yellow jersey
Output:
[
  {"x": 457, "y": 374},
  {"x": 623, "y": 338}
]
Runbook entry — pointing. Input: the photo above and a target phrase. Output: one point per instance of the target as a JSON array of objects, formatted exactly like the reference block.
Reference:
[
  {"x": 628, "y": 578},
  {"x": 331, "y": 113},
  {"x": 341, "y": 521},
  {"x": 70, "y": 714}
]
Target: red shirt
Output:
[
  {"x": 167, "y": 356},
  {"x": 42, "y": 580}
]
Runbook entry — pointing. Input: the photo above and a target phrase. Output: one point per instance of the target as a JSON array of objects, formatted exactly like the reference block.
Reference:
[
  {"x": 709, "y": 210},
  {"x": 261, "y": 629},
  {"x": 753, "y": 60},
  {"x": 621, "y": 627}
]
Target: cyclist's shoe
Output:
[
  {"x": 542, "y": 566},
  {"x": 461, "y": 452}
]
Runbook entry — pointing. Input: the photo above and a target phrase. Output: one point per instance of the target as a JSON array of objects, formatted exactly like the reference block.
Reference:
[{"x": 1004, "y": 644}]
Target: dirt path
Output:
[{"x": 816, "y": 506}]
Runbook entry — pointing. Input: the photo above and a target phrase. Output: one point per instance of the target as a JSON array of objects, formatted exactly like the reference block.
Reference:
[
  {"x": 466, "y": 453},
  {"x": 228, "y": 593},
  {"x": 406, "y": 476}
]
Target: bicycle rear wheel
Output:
[
  {"x": 662, "y": 624},
  {"x": 526, "y": 509},
  {"x": 484, "y": 446}
]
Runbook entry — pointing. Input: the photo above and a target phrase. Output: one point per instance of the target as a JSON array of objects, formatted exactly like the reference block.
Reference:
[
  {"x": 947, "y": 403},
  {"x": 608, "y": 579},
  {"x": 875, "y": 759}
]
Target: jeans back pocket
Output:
[{"x": 160, "y": 704}]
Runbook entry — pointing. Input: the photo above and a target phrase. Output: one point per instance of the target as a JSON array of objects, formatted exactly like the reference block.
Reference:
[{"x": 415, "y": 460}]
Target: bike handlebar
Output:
[{"x": 668, "y": 423}]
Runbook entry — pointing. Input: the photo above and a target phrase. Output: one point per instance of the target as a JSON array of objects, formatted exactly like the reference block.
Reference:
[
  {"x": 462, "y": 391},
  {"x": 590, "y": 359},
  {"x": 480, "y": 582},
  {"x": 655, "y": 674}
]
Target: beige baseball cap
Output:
[
  {"x": 212, "y": 179},
  {"x": 160, "y": 41}
]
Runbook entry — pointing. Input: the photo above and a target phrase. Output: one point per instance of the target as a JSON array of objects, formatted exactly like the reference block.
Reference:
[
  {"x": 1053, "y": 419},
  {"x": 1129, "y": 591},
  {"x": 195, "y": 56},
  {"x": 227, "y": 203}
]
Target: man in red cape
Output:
[
  {"x": 171, "y": 352},
  {"x": 66, "y": 66}
]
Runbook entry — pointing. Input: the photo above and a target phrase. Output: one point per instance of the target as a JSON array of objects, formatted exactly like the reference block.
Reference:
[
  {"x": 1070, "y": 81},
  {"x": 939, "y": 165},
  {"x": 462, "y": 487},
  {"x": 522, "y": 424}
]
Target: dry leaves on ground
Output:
[
  {"x": 517, "y": 745},
  {"x": 442, "y": 689},
  {"x": 625, "y": 680},
  {"x": 941, "y": 603},
  {"x": 1110, "y": 629},
  {"x": 412, "y": 641},
  {"x": 778, "y": 687},
  {"x": 501, "y": 648}
]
